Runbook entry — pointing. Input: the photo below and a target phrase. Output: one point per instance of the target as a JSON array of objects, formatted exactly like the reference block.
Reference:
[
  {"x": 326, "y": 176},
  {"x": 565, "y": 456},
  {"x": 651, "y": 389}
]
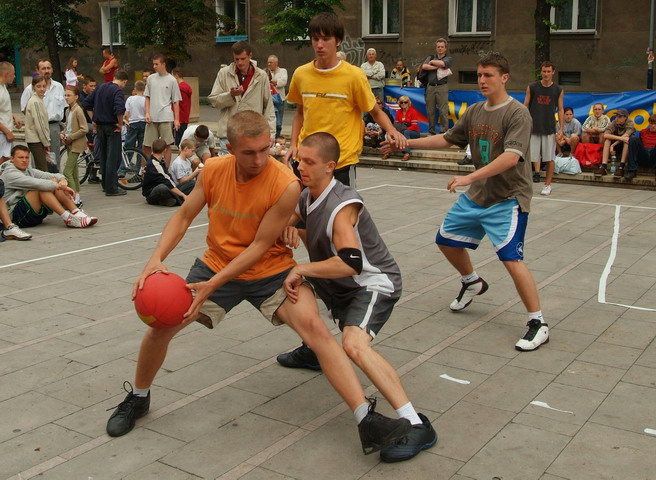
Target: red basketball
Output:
[{"x": 163, "y": 300}]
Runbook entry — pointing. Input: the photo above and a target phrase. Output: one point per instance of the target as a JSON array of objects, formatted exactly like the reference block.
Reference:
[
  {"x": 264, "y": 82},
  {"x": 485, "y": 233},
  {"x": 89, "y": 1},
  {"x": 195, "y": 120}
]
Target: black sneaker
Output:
[
  {"x": 421, "y": 437},
  {"x": 466, "y": 161},
  {"x": 536, "y": 177},
  {"x": 301, "y": 357},
  {"x": 538, "y": 333},
  {"x": 467, "y": 293},
  {"x": 377, "y": 431},
  {"x": 94, "y": 179},
  {"x": 127, "y": 412},
  {"x": 629, "y": 175}
]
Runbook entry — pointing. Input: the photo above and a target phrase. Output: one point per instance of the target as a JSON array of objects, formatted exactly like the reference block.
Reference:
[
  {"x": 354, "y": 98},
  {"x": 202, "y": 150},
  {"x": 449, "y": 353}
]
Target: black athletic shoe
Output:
[
  {"x": 377, "y": 431},
  {"x": 421, "y": 437},
  {"x": 127, "y": 412},
  {"x": 536, "y": 177},
  {"x": 466, "y": 161},
  {"x": 301, "y": 357},
  {"x": 467, "y": 292}
]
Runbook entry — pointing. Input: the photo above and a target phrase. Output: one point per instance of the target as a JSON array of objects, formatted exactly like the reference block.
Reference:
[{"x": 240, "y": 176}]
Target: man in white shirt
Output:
[
  {"x": 7, "y": 119},
  {"x": 162, "y": 93},
  {"x": 279, "y": 81},
  {"x": 55, "y": 104}
]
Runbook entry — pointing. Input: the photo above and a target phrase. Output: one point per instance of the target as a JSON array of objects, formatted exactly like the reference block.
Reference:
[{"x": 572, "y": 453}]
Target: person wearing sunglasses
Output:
[{"x": 407, "y": 122}]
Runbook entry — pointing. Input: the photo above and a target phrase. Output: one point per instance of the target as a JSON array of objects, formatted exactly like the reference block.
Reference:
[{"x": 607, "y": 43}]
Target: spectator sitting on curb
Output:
[
  {"x": 616, "y": 140},
  {"x": 594, "y": 126},
  {"x": 642, "y": 149},
  {"x": 158, "y": 187},
  {"x": 32, "y": 195},
  {"x": 570, "y": 133}
]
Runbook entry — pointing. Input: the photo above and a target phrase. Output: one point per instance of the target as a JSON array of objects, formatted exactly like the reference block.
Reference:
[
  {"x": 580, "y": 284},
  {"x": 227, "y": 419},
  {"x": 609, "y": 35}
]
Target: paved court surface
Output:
[{"x": 581, "y": 407}]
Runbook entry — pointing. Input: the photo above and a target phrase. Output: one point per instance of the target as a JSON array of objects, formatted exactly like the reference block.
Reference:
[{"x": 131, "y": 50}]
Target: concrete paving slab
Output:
[{"x": 629, "y": 407}]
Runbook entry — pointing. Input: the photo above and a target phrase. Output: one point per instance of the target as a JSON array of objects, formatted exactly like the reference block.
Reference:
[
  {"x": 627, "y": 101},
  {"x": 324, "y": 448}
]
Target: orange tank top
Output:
[{"x": 235, "y": 211}]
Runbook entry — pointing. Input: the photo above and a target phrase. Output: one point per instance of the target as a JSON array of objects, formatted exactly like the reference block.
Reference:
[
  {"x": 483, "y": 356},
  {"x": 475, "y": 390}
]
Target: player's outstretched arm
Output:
[{"x": 173, "y": 232}]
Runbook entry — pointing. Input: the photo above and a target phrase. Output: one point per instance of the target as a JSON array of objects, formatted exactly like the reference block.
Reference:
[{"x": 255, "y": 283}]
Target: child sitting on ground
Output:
[
  {"x": 182, "y": 170},
  {"x": 158, "y": 186}
]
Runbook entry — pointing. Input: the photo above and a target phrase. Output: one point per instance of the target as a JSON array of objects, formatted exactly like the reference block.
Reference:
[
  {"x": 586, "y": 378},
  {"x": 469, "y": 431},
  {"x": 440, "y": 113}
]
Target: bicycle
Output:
[{"x": 132, "y": 159}]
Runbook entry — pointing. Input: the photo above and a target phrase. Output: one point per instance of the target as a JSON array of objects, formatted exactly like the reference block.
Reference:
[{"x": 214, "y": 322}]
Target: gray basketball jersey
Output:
[{"x": 380, "y": 273}]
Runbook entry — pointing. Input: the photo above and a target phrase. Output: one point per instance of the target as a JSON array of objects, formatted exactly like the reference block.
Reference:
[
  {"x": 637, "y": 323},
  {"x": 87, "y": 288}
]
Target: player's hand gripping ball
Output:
[{"x": 163, "y": 300}]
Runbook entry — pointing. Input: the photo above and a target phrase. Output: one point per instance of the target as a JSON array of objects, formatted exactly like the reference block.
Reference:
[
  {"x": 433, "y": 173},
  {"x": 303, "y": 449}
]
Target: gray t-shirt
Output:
[
  {"x": 491, "y": 131},
  {"x": 163, "y": 92}
]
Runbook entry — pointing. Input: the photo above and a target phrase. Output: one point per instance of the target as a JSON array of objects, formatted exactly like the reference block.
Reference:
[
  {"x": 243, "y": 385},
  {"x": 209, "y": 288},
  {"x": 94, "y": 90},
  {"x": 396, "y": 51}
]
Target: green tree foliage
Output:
[
  {"x": 288, "y": 19},
  {"x": 43, "y": 25},
  {"x": 169, "y": 25}
]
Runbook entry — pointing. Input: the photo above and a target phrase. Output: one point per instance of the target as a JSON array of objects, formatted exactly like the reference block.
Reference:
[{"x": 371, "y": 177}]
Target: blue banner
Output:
[{"x": 639, "y": 104}]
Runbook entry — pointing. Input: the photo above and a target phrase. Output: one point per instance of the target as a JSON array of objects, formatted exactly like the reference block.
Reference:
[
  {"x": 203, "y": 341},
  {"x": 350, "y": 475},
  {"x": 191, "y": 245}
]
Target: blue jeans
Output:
[
  {"x": 134, "y": 137},
  {"x": 410, "y": 134},
  {"x": 639, "y": 155},
  {"x": 109, "y": 143},
  {"x": 280, "y": 111}
]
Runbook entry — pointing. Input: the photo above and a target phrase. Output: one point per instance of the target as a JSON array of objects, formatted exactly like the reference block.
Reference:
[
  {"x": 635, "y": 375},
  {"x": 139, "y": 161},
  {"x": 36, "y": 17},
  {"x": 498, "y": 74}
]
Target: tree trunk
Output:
[
  {"x": 542, "y": 32},
  {"x": 51, "y": 41}
]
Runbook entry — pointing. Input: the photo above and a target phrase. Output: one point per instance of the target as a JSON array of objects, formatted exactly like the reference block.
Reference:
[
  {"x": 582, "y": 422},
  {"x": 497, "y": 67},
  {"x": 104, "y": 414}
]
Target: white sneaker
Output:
[
  {"x": 467, "y": 292},
  {"x": 546, "y": 190},
  {"x": 537, "y": 334},
  {"x": 13, "y": 232},
  {"x": 80, "y": 221}
]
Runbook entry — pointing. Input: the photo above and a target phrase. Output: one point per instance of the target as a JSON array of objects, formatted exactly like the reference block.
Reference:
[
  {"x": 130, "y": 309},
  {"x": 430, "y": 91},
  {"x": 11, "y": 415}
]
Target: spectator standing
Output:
[
  {"x": 642, "y": 149},
  {"x": 616, "y": 141},
  {"x": 595, "y": 125},
  {"x": 7, "y": 118},
  {"x": 185, "y": 103},
  {"x": 401, "y": 72},
  {"x": 241, "y": 86},
  {"x": 571, "y": 132},
  {"x": 135, "y": 116},
  {"x": 107, "y": 106},
  {"x": 37, "y": 133},
  {"x": 109, "y": 66},
  {"x": 162, "y": 107},
  {"x": 70, "y": 74},
  {"x": 375, "y": 72},
  {"x": 279, "y": 81},
  {"x": 74, "y": 138},
  {"x": 54, "y": 102},
  {"x": 437, "y": 89},
  {"x": 543, "y": 98},
  {"x": 88, "y": 86}
]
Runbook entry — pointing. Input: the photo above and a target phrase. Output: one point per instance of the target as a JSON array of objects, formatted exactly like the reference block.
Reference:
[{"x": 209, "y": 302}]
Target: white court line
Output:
[{"x": 104, "y": 245}]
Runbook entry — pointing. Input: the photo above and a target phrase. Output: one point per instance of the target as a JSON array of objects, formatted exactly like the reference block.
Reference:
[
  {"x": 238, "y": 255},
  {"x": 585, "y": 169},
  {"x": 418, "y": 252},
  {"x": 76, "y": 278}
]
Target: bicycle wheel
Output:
[{"x": 131, "y": 162}]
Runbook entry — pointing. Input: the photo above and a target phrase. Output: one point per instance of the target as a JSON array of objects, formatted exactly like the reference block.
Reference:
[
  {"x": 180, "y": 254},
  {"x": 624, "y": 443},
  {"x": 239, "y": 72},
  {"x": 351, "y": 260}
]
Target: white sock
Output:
[
  {"x": 408, "y": 411},
  {"x": 141, "y": 392},
  {"x": 470, "y": 278},
  {"x": 65, "y": 215},
  {"x": 361, "y": 411},
  {"x": 77, "y": 198},
  {"x": 537, "y": 315}
]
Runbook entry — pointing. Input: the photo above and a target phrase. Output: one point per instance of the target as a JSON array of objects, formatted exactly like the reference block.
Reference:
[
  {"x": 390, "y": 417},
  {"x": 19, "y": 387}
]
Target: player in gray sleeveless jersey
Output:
[{"x": 355, "y": 275}]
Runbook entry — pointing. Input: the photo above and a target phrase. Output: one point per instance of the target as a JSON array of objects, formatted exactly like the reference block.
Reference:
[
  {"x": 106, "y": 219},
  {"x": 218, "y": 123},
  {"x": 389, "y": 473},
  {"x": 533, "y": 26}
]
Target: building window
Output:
[
  {"x": 470, "y": 17},
  {"x": 381, "y": 17},
  {"x": 569, "y": 78},
  {"x": 112, "y": 29},
  {"x": 468, "y": 77},
  {"x": 232, "y": 18},
  {"x": 575, "y": 16}
]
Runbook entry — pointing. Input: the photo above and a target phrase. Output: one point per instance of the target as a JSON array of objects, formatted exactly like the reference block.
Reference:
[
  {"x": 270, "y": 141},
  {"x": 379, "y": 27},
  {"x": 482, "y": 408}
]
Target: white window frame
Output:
[
  {"x": 366, "y": 10},
  {"x": 104, "y": 23},
  {"x": 453, "y": 20},
  {"x": 575, "y": 15},
  {"x": 219, "y": 6}
]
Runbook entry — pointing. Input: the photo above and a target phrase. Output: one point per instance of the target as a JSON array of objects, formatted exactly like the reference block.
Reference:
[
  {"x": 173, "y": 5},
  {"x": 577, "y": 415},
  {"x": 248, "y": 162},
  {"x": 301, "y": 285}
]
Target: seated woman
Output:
[{"x": 407, "y": 121}]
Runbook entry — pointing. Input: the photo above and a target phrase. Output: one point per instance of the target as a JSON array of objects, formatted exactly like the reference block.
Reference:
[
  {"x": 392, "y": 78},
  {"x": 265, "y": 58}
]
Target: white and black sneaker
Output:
[
  {"x": 538, "y": 333},
  {"x": 467, "y": 292}
]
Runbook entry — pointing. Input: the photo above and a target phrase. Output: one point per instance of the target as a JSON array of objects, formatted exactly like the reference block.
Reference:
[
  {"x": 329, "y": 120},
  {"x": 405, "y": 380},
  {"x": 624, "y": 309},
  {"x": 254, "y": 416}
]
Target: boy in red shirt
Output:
[{"x": 642, "y": 149}]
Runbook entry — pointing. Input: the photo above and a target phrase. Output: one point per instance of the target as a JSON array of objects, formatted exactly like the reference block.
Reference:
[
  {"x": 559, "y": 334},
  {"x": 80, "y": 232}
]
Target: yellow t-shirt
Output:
[
  {"x": 333, "y": 102},
  {"x": 235, "y": 211}
]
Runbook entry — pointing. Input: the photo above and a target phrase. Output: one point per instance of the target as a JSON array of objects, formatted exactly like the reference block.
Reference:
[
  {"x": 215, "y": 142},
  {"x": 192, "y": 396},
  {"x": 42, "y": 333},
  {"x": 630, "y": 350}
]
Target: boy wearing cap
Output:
[{"x": 616, "y": 140}]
